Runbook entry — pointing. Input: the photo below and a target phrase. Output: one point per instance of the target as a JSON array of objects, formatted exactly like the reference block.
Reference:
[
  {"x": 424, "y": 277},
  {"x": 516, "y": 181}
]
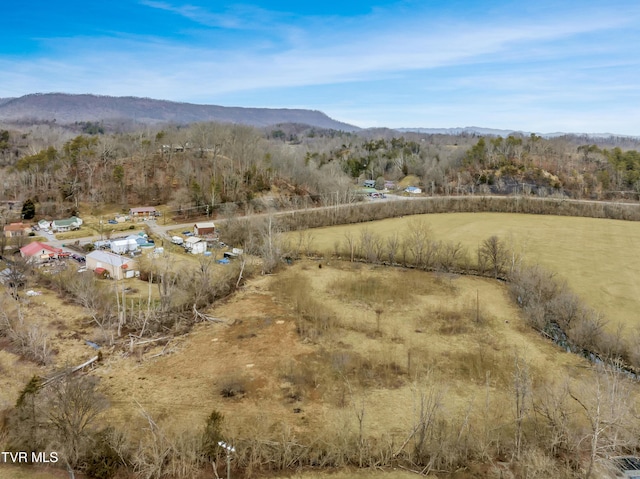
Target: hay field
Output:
[{"x": 597, "y": 257}]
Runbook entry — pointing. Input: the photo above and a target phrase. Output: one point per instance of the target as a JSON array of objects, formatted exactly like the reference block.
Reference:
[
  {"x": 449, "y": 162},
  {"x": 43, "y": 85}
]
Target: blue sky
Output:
[{"x": 542, "y": 66}]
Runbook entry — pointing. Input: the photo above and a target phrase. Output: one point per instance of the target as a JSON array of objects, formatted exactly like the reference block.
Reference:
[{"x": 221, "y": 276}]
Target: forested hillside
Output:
[{"x": 207, "y": 164}]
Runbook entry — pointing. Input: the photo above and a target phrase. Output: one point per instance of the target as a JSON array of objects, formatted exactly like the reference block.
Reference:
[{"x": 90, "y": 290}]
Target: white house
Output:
[
  {"x": 69, "y": 224},
  {"x": 195, "y": 245},
  {"x": 143, "y": 211},
  {"x": 44, "y": 224}
]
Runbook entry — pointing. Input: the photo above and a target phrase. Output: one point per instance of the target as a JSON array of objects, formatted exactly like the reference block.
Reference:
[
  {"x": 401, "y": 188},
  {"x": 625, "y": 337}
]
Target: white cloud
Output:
[{"x": 467, "y": 67}]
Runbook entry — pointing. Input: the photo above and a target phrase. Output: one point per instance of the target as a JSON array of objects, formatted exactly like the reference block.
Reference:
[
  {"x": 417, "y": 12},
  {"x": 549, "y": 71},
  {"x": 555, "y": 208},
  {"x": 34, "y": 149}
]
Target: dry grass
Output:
[
  {"x": 8, "y": 471},
  {"x": 595, "y": 256},
  {"x": 356, "y": 474},
  {"x": 446, "y": 336},
  {"x": 69, "y": 235},
  {"x": 63, "y": 324}
]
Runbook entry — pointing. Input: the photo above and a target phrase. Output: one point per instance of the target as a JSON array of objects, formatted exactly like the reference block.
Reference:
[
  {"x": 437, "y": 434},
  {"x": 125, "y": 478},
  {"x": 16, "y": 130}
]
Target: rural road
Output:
[{"x": 162, "y": 230}]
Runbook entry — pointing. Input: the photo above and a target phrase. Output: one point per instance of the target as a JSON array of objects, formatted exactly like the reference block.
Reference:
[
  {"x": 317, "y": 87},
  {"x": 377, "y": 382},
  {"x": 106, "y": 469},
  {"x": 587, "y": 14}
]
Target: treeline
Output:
[
  {"x": 530, "y": 165},
  {"x": 236, "y": 228},
  {"x": 201, "y": 166}
]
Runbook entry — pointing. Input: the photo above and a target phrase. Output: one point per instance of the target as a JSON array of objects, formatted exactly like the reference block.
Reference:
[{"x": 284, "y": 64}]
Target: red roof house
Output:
[{"x": 39, "y": 251}]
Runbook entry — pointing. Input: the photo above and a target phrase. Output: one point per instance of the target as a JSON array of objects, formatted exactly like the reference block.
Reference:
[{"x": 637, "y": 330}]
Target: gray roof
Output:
[{"x": 109, "y": 258}]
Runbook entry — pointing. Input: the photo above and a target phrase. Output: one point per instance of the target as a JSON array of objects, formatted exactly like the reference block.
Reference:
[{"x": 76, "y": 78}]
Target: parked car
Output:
[{"x": 112, "y": 222}]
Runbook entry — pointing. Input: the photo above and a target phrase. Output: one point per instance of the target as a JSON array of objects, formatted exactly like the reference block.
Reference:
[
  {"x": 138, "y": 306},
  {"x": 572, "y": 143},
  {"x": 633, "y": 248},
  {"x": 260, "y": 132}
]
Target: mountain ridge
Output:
[
  {"x": 476, "y": 130},
  {"x": 67, "y": 108},
  {"x": 117, "y": 112}
]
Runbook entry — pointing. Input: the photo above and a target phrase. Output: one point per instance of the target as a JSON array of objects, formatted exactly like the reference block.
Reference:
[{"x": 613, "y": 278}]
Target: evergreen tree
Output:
[{"x": 28, "y": 209}]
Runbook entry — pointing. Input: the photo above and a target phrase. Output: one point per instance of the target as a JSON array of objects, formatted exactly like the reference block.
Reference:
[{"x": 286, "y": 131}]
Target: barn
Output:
[{"x": 117, "y": 266}]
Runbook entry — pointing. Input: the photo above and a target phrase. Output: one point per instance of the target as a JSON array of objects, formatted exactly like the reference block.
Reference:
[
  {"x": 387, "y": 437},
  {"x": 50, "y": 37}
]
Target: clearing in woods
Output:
[{"x": 596, "y": 257}]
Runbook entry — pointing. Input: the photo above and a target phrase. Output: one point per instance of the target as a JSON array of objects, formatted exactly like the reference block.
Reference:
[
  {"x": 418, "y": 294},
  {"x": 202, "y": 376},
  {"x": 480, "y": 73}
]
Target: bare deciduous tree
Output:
[
  {"x": 73, "y": 407},
  {"x": 607, "y": 407},
  {"x": 495, "y": 253}
]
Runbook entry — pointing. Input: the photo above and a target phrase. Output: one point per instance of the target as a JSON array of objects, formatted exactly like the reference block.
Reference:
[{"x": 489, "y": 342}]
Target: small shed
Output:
[
  {"x": 629, "y": 466},
  {"x": 206, "y": 228}
]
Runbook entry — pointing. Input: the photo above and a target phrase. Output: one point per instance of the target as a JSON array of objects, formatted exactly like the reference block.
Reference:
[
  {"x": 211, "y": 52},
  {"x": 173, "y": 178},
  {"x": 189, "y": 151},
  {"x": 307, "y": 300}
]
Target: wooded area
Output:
[{"x": 205, "y": 165}]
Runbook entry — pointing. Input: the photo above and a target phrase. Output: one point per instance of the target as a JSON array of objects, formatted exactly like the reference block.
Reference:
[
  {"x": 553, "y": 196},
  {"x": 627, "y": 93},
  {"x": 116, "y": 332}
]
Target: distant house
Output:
[
  {"x": 44, "y": 224},
  {"x": 60, "y": 226},
  {"x": 202, "y": 229},
  {"x": 117, "y": 267},
  {"x": 195, "y": 245},
  {"x": 143, "y": 211},
  {"x": 39, "y": 252},
  {"x": 124, "y": 245},
  {"x": 143, "y": 240},
  {"x": 16, "y": 229},
  {"x": 369, "y": 183}
]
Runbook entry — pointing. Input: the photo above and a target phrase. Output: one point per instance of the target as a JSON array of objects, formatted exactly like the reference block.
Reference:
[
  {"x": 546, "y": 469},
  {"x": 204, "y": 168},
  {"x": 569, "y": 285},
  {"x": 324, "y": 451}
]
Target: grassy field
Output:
[
  {"x": 596, "y": 257},
  {"x": 426, "y": 336},
  {"x": 309, "y": 348}
]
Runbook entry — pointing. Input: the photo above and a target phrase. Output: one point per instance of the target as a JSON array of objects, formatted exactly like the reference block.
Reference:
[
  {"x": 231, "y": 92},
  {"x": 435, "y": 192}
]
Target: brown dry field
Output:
[
  {"x": 259, "y": 343},
  {"x": 428, "y": 340},
  {"x": 596, "y": 257}
]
